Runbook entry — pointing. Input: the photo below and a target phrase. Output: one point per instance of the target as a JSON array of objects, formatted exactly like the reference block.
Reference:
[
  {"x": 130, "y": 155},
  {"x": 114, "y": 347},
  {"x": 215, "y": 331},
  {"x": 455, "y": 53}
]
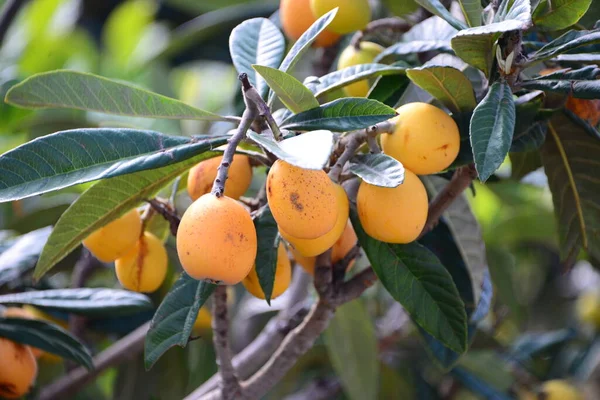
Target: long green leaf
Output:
[
  {"x": 292, "y": 93},
  {"x": 492, "y": 128},
  {"x": 437, "y": 8},
  {"x": 97, "y": 302},
  {"x": 352, "y": 348},
  {"x": 472, "y": 10},
  {"x": 81, "y": 155},
  {"x": 571, "y": 158},
  {"x": 341, "y": 115},
  {"x": 415, "y": 277},
  {"x": 104, "y": 202},
  {"x": 266, "y": 255},
  {"x": 447, "y": 84},
  {"x": 46, "y": 336},
  {"x": 561, "y": 15},
  {"x": 256, "y": 41},
  {"x": 565, "y": 43},
  {"x": 83, "y": 91},
  {"x": 173, "y": 322},
  {"x": 21, "y": 257}
]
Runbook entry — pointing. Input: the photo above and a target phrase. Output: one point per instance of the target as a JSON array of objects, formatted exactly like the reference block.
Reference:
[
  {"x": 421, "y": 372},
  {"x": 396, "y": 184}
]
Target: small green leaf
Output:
[
  {"x": 173, "y": 322},
  {"x": 389, "y": 89},
  {"x": 338, "y": 79},
  {"x": 266, "y": 255},
  {"x": 377, "y": 169},
  {"x": 21, "y": 257},
  {"x": 472, "y": 10},
  {"x": 97, "y": 302},
  {"x": 292, "y": 93},
  {"x": 46, "y": 336},
  {"x": 104, "y": 202},
  {"x": 341, "y": 115},
  {"x": 415, "y": 277},
  {"x": 565, "y": 43},
  {"x": 352, "y": 347},
  {"x": 561, "y": 14},
  {"x": 447, "y": 84},
  {"x": 82, "y": 91},
  {"x": 256, "y": 41},
  {"x": 492, "y": 127},
  {"x": 310, "y": 150},
  {"x": 67, "y": 158},
  {"x": 437, "y": 8}
]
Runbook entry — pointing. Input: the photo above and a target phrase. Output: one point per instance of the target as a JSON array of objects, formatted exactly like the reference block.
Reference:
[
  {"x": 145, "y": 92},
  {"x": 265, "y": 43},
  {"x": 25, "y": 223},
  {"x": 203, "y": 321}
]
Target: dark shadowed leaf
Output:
[
  {"x": 580, "y": 83},
  {"x": 570, "y": 158},
  {"x": 416, "y": 278},
  {"x": 102, "y": 203},
  {"x": 22, "y": 256},
  {"x": 530, "y": 129},
  {"x": 266, "y": 255},
  {"x": 524, "y": 163},
  {"x": 256, "y": 41},
  {"x": 389, "y": 89},
  {"x": 529, "y": 344},
  {"x": 583, "y": 123},
  {"x": 352, "y": 347},
  {"x": 81, "y": 155},
  {"x": 97, "y": 302},
  {"x": 46, "y": 336},
  {"x": 377, "y": 169},
  {"x": 341, "y": 115},
  {"x": 561, "y": 14},
  {"x": 173, "y": 322},
  {"x": 447, "y": 84},
  {"x": 566, "y": 42},
  {"x": 292, "y": 93},
  {"x": 70, "y": 89},
  {"x": 492, "y": 127},
  {"x": 310, "y": 150},
  {"x": 437, "y": 8}
]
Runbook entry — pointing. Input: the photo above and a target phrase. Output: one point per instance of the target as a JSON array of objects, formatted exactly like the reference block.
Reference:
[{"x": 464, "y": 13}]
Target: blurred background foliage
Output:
[{"x": 179, "y": 48}]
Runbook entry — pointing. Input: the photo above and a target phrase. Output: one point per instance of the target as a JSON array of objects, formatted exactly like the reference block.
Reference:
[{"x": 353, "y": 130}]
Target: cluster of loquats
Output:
[
  {"x": 17, "y": 377},
  {"x": 140, "y": 257}
]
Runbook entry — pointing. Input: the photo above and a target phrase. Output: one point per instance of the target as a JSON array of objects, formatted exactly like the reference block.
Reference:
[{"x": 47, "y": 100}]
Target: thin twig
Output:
[
  {"x": 83, "y": 269},
  {"x": 393, "y": 23},
  {"x": 264, "y": 110},
  {"x": 230, "y": 386},
  {"x": 168, "y": 212},
  {"x": 125, "y": 349},
  {"x": 7, "y": 15}
]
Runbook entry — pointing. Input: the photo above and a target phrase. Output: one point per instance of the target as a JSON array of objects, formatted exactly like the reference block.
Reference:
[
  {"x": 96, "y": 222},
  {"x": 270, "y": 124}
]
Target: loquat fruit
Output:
[
  {"x": 115, "y": 238},
  {"x": 296, "y": 17},
  {"x": 18, "y": 369},
  {"x": 144, "y": 267},
  {"x": 352, "y": 56},
  {"x": 201, "y": 177},
  {"x": 283, "y": 276},
  {"x": 352, "y": 15}
]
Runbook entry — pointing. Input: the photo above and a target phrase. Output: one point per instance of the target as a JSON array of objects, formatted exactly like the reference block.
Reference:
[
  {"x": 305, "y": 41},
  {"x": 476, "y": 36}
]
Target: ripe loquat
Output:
[
  {"x": 352, "y": 56},
  {"x": 201, "y": 177},
  {"x": 352, "y": 15},
  {"x": 115, "y": 238},
  {"x": 18, "y": 369},
  {"x": 283, "y": 276},
  {"x": 144, "y": 267},
  {"x": 296, "y": 17}
]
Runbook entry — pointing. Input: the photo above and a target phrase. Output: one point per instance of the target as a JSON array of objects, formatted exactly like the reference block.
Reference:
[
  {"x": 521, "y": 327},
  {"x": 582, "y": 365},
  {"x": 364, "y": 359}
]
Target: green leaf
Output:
[
  {"x": 570, "y": 158},
  {"x": 173, "y": 322},
  {"x": 377, "y": 169},
  {"x": 104, "y": 202},
  {"x": 437, "y": 8},
  {"x": 415, "y": 277},
  {"x": 389, "y": 89},
  {"x": 472, "y": 10},
  {"x": 256, "y": 41},
  {"x": 82, "y": 91},
  {"x": 492, "y": 127},
  {"x": 292, "y": 93},
  {"x": 266, "y": 255},
  {"x": 523, "y": 163},
  {"x": 580, "y": 83},
  {"x": 447, "y": 84},
  {"x": 338, "y": 79},
  {"x": 46, "y": 336},
  {"x": 561, "y": 15},
  {"x": 352, "y": 347},
  {"x": 70, "y": 157},
  {"x": 310, "y": 150},
  {"x": 341, "y": 115},
  {"x": 21, "y": 257},
  {"x": 565, "y": 43},
  {"x": 530, "y": 130},
  {"x": 97, "y": 302}
]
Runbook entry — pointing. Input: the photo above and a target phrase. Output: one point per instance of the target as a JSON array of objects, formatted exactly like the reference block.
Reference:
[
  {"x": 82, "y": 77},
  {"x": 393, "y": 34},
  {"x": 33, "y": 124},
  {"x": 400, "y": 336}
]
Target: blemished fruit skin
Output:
[
  {"x": 340, "y": 248},
  {"x": 588, "y": 309},
  {"x": 352, "y": 15},
  {"x": 116, "y": 238},
  {"x": 296, "y": 17},
  {"x": 283, "y": 276},
  {"x": 18, "y": 369},
  {"x": 393, "y": 215},
  {"x": 303, "y": 201},
  {"x": 201, "y": 177},
  {"x": 314, "y": 247},
  {"x": 144, "y": 268},
  {"x": 426, "y": 140},
  {"x": 352, "y": 56},
  {"x": 216, "y": 240},
  {"x": 560, "y": 390}
]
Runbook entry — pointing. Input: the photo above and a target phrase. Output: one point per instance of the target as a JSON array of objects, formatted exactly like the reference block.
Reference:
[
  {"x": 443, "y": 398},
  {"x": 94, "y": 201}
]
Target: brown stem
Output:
[
  {"x": 83, "y": 269},
  {"x": 393, "y": 23},
  {"x": 168, "y": 212},
  {"x": 462, "y": 179},
  {"x": 264, "y": 111},
  {"x": 230, "y": 386}
]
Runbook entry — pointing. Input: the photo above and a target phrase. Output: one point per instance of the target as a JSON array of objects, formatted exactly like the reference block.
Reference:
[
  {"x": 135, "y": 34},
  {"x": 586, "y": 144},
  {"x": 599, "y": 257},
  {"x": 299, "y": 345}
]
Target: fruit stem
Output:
[
  {"x": 250, "y": 113},
  {"x": 264, "y": 111},
  {"x": 394, "y": 24}
]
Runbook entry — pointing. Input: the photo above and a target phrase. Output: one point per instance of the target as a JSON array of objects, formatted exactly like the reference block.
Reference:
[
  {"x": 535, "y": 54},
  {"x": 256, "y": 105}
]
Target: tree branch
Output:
[
  {"x": 264, "y": 110},
  {"x": 393, "y": 23},
  {"x": 123, "y": 350}
]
